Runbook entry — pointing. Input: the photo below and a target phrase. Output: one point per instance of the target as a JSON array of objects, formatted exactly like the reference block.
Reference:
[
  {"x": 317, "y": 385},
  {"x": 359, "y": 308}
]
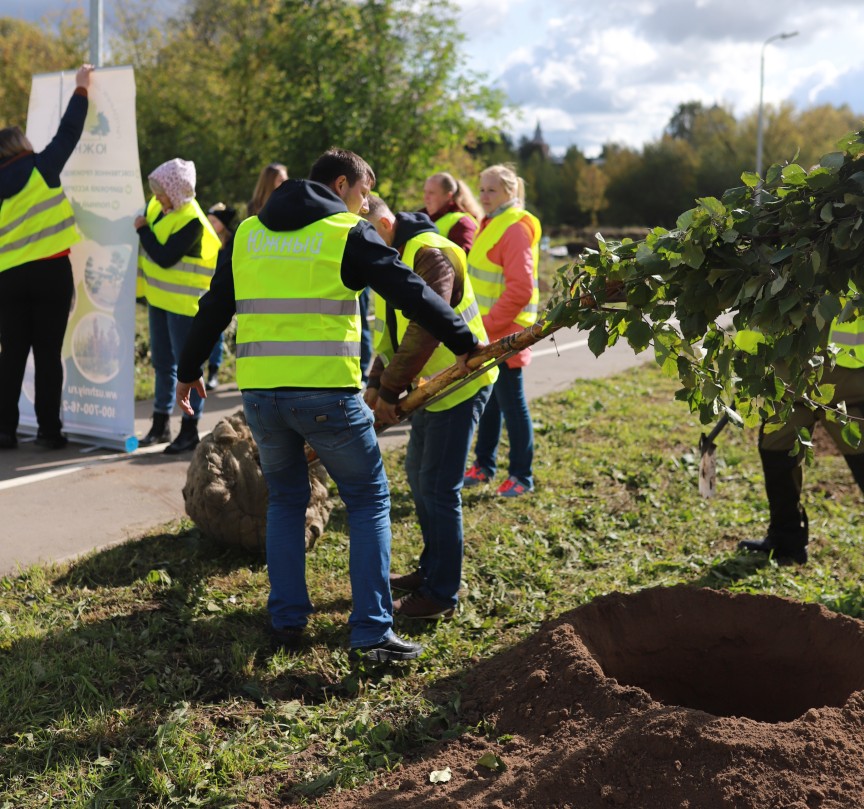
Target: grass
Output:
[{"x": 141, "y": 676}]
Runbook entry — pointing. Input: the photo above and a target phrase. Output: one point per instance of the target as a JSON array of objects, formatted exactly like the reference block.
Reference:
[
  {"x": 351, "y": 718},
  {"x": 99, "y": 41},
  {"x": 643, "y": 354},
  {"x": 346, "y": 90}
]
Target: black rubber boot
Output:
[
  {"x": 788, "y": 534},
  {"x": 160, "y": 431},
  {"x": 856, "y": 465},
  {"x": 187, "y": 439}
]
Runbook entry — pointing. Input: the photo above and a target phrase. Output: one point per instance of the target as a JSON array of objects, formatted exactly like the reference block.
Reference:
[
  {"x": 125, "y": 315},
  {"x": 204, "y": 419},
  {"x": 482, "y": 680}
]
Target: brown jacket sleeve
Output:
[{"x": 417, "y": 345}]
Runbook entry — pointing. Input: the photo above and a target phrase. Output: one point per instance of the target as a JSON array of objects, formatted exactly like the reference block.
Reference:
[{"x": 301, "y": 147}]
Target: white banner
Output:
[{"x": 103, "y": 182}]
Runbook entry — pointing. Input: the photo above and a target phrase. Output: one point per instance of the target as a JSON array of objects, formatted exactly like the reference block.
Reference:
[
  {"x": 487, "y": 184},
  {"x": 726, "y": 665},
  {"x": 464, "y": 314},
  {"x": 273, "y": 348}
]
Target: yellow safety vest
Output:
[
  {"x": 298, "y": 325},
  {"x": 445, "y": 223},
  {"x": 488, "y": 277},
  {"x": 177, "y": 288},
  {"x": 35, "y": 223},
  {"x": 467, "y": 309},
  {"x": 849, "y": 337}
]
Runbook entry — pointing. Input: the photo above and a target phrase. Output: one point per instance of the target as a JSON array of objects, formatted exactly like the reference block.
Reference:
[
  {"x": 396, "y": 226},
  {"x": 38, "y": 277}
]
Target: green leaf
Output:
[
  {"x": 713, "y": 206},
  {"x": 491, "y": 762},
  {"x": 826, "y": 310},
  {"x": 824, "y": 394},
  {"x": 794, "y": 174},
  {"x": 638, "y": 334},
  {"x": 851, "y": 433},
  {"x": 685, "y": 219},
  {"x": 748, "y": 340},
  {"x": 751, "y": 179},
  {"x": 832, "y": 160},
  {"x": 692, "y": 254},
  {"x": 159, "y": 577},
  {"x": 782, "y": 254},
  {"x": 826, "y": 213},
  {"x": 598, "y": 340}
]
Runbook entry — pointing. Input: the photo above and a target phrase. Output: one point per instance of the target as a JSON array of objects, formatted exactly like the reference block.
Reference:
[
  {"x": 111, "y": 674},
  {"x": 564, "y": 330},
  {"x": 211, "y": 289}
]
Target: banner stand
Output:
[{"x": 102, "y": 181}]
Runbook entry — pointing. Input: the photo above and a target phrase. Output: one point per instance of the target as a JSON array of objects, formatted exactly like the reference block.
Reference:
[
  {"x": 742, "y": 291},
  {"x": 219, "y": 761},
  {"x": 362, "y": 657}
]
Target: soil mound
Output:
[{"x": 671, "y": 698}]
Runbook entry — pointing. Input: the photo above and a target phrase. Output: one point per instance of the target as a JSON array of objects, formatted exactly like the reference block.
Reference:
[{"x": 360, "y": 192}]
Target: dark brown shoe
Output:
[
  {"x": 406, "y": 581},
  {"x": 415, "y": 605},
  {"x": 289, "y": 638}
]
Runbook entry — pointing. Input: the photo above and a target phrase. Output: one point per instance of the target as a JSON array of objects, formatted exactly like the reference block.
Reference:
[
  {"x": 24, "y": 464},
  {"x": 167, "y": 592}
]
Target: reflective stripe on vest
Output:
[
  {"x": 177, "y": 288},
  {"x": 467, "y": 309},
  {"x": 298, "y": 325},
  {"x": 35, "y": 223},
  {"x": 445, "y": 223},
  {"x": 488, "y": 277}
]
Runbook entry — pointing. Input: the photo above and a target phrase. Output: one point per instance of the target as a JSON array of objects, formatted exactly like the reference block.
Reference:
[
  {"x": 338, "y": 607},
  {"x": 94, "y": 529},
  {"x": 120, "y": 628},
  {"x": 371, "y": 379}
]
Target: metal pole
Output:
[
  {"x": 96, "y": 33},
  {"x": 761, "y": 89}
]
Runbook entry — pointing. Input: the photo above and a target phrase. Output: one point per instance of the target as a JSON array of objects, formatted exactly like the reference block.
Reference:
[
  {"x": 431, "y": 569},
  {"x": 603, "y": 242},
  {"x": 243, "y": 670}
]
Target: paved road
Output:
[{"x": 58, "y": 505}]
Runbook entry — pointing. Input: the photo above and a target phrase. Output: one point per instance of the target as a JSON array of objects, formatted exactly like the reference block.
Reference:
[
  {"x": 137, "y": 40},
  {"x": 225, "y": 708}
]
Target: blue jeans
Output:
[
  {"x": 435, "y": 465},
  {"x": 508, "y": 402},
  {"x": 168, "y": 333},
  {"x": 215, "y": 359},
  {"x": 339, "y": 427}
]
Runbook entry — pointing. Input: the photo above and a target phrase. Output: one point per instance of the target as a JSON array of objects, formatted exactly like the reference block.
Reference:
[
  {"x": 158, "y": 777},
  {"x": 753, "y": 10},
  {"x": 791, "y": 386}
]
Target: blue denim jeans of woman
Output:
[
  {"x": 215, "y": 359},
  {"x": 435, "y": 465},
  {"x": 168, "y": 332},
  {"x": 339, "y": 427},
  {"x": 508, "y": 402}
]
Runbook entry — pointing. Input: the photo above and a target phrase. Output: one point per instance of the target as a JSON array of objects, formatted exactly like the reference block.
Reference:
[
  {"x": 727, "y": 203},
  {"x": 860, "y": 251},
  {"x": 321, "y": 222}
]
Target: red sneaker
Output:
[
  {"x": 513, "y": 487},
  {"x": 475, "y": 476}
]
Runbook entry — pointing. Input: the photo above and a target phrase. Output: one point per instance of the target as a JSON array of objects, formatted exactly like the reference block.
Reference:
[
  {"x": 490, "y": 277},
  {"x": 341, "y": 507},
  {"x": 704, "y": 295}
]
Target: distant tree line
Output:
[{"x": 237, "y": 84}]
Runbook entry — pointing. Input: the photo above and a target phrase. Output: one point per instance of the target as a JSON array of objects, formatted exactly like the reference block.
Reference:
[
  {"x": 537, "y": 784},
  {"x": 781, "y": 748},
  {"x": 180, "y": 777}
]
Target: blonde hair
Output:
[
  {"x": 513, "y": 184},
  {"x": 265, "y": 186},
  {"x": 463, "y": 199},
  {"x": 13, "y": 141}
]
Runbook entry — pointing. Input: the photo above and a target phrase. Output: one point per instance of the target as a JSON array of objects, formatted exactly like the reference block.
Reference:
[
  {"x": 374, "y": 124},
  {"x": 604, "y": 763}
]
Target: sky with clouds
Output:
[{"x": 599, "y": 71}]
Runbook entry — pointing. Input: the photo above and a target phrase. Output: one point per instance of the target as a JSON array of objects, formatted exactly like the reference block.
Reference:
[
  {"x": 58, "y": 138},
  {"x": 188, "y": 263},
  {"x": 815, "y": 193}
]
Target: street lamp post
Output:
[
  {"x": 761, "y": 88},
  {"x": 96, "y": 33}
]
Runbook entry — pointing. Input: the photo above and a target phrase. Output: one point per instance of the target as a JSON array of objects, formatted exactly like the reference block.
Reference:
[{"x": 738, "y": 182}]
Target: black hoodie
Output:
[
  {"x": 16, "y": 171},
  {"x": 367, "y": 261}
]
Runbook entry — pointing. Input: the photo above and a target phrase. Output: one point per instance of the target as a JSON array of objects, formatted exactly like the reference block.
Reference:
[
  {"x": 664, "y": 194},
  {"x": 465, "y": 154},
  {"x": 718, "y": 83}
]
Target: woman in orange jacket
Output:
[{"x": 503, "y": 264}]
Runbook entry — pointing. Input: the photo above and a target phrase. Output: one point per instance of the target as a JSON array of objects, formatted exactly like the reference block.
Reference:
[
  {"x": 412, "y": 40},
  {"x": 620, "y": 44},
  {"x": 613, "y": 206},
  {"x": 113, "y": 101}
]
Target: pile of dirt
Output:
[{"x": 671, "y": 698}]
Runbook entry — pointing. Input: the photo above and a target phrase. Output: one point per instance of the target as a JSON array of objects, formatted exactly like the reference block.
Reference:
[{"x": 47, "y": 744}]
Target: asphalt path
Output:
[{"x": 56, "y": 505}]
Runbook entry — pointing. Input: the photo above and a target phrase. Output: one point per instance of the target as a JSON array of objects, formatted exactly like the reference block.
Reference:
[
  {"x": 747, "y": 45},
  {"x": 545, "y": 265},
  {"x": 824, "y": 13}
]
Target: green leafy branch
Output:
[{"x": 782, "y": 259}]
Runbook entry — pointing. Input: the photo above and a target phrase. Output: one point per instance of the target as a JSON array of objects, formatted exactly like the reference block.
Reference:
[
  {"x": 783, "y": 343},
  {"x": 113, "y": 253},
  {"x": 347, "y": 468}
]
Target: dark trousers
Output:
[{"x": 35, "y": 299}]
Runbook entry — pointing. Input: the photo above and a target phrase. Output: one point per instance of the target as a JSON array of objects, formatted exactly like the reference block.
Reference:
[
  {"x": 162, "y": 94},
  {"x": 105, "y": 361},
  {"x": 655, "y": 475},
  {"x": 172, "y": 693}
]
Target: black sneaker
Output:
[
  {"x": 289, "y": 638},
  {"x": 51, "y": 440},
  {"x": 391, "y": 648},
  {"x": 784, "y": 555},
  {"x": 8, "y": 441}
]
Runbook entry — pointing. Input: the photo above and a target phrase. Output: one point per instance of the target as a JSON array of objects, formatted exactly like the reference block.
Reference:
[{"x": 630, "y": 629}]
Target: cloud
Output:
[{"x": 616, "y": 70}]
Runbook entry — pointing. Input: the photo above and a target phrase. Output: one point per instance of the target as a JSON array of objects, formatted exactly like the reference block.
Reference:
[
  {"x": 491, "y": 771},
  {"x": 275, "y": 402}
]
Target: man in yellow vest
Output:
[
  {"x": 296, "y": 272},
  {"x": 441, "y": 434},
  {"x": 788, "y": 531}
]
